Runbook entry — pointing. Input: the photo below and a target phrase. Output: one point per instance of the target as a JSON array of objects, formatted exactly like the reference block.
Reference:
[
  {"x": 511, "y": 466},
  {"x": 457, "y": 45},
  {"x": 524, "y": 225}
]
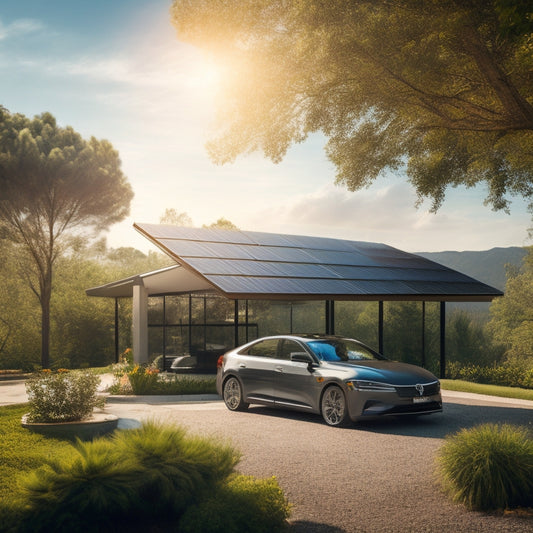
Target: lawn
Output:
[
  {"x": 165, "y": 480},
  {"x": 491, "y": 390},
  {"x": 21, "y": 450}
]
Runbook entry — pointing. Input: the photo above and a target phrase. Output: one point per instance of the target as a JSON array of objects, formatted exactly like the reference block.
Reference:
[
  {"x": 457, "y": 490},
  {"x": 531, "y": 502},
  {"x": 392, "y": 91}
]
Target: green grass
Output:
[
  {"x": 22, "y": 451},
  {"x": 491, "y": 390},
  {"x": 135, "y": 481}
]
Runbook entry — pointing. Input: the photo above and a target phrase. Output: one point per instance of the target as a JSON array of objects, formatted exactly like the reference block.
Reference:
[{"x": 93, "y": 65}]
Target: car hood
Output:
[{"x": 391, "y": 372}]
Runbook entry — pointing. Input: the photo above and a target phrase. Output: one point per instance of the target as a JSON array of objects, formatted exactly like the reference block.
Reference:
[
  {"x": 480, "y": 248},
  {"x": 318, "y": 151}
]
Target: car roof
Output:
[{"x": 305, "y": 337}]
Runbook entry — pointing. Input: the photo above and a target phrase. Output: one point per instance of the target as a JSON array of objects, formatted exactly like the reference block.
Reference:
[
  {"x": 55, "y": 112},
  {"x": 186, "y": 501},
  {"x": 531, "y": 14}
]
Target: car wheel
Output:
[
  {"x": 333, "y": 407},
  {"x": 232, "y": 394}
]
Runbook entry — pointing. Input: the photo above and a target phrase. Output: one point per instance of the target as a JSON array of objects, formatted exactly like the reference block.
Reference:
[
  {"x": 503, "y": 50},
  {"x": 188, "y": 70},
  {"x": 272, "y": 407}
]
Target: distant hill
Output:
[{"x": 487, "y": 266}]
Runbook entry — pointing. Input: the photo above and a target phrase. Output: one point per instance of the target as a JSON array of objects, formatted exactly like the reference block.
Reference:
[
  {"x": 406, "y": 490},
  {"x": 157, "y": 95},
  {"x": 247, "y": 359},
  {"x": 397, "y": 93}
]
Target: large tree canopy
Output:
[
  {"x": 442, "y": 89},
  {"x": 53, "y": 183}
]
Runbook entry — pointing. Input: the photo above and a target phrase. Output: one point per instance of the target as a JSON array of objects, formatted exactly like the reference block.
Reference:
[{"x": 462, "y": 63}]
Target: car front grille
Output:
[{"x": 409, "y": 391}]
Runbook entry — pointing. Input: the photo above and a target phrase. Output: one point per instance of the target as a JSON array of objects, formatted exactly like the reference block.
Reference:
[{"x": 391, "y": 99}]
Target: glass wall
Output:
[
  {"x": 359, "y": 320},
  {"x": 196, "y": 327},
  {"x": 199, "y": 327}
]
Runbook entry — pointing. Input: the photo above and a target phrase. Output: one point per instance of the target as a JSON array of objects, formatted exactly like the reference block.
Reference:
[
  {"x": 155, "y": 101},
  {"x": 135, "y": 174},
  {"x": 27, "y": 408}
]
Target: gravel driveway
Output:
[{"x": 374, "y": 477}]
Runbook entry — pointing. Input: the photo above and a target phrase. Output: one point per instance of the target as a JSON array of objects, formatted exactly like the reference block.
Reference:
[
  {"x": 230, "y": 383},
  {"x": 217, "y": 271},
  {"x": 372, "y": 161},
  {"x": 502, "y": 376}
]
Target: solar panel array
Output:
[{"x": 248, "y": 264}]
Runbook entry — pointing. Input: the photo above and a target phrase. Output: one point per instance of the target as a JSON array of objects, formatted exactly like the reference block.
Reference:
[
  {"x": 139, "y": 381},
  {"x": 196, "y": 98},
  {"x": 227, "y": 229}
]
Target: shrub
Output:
[
  {"x": 140, "y": 380},
  {"x": 71, "y": 493},
  {"x": 176, "y": 384},
  {"x": 489, "y": 467},
  {"x": 176, "y": 469},
  {"x": 512, "y": 373},
  {"x": 143, "y": 380},
  {"x": 242, "y": 504},
  {"x": 62, "y": 396},
  {"x": 135, "y": 478}
]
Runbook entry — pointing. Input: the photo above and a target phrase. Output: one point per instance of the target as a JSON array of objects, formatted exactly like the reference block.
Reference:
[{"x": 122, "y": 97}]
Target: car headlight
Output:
[{"x": 361, "y": 385}]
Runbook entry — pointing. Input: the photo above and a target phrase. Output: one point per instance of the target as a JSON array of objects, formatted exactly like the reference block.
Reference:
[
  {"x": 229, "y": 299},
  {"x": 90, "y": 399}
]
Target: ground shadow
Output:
[
  {"x": 128, "y": 423},
  {"x": 455, "y": 416},
  {"x": 304, "y": 526}
]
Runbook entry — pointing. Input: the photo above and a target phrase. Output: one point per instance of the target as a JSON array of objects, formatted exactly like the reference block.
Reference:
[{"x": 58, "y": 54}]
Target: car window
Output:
[
  {"x": 289, "y": 346},
  {"x": 341, "y": 350},
  {"x": 266, "y": 348}
]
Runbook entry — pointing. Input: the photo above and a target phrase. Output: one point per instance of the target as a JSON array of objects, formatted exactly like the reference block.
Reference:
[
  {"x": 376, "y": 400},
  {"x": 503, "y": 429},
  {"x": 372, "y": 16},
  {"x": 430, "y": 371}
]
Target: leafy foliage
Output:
[
  {"x": 136, "y": 379},
  {"x": 54, "y": 182},
  {"x": 512, "y": 315},
  {"x": 243, "y": 504},
  {"x": 511, "y": 373},
  {"x": 81, "y": 327},
  {"x": 439, "y": 88},
  {"x": 489, "y": 467},
  {"x": 143, "y": 380},
  {"x": 136, "y": 478},
  {"x": 177, "y": 469},
  {"x": 62, "y": 396}
]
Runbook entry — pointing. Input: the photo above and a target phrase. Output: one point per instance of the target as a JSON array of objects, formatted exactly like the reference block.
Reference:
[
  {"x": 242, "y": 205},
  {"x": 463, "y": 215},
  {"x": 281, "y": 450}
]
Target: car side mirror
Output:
[{"x": 304, "y": 357}]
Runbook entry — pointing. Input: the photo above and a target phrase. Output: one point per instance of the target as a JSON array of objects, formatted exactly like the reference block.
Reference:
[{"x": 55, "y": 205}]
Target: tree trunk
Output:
[{"x": 45, "y": 297}]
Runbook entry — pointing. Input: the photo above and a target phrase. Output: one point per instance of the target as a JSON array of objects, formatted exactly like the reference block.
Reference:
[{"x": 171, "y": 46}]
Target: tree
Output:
[
  {"x": 439, "y": 88},
  {"x": 171, "y": 216},
  {"x": 512, "y": 315},
  {"x": 19, "y": 328},
  {"x": 55, "y": 185},
  {"x": 222, "y": 223}
]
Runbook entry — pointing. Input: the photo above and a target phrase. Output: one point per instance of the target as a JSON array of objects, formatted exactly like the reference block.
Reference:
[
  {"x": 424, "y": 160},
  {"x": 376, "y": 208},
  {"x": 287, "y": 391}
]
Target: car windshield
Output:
[{"x": 342, "y": 350}]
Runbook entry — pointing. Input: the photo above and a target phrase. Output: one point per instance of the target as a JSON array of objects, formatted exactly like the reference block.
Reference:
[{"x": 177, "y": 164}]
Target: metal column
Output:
[
  {"x": 330, "y": 317},
  {"x": 380, "y": 327},
  {"x": 442, "y": 340}
]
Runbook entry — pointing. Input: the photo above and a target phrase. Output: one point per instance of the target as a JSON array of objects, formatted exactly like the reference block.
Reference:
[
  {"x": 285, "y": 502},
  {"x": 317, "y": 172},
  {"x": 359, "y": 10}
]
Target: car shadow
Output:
[{"x": 455, "y": 416}]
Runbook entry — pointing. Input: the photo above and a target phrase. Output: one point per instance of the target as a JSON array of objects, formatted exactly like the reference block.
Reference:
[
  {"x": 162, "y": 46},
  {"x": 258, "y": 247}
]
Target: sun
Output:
[{"x": 205, "y": 76}]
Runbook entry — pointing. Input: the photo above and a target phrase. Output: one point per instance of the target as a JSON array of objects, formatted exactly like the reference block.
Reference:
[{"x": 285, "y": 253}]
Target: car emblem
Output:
[{"x": 419, "y": 388}]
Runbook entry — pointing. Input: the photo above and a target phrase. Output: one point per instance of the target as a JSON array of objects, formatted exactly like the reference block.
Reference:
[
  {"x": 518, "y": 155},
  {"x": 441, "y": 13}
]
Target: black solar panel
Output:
[{"x": 254, "y": 264}]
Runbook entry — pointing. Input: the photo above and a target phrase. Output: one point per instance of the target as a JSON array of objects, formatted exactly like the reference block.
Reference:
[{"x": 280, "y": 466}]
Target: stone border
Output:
[
  {"x": 99, "y": 424},
  {"x": 162, "y": 398}
]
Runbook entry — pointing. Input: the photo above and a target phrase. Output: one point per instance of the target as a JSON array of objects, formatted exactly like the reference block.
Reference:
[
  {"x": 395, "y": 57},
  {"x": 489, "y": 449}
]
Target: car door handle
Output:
[
  {"x": 242, "y": 365},
  {"x": 278, "y": 369}
]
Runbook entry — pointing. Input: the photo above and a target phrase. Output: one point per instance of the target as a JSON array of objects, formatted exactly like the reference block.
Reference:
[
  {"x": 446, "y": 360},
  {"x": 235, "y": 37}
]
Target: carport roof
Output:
[{"x": 254, "y": 265}]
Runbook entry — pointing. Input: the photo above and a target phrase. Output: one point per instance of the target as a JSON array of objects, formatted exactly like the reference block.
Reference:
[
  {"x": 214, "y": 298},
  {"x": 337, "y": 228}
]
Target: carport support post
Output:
[
  {"x": 442, "y": 340},
  {"x": 236, "y": 322},
  {"x": 140, "y": 322},
  {"x": 116, "y": 331},
  {"x": 330, "y": 317},
  {"x": 424, "y": 334},
  {"x": 380, "y": 327}
]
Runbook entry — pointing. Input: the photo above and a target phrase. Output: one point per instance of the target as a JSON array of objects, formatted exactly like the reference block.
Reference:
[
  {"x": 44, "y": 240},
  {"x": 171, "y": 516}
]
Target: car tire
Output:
[
  {"x": 333, "y": 407},
  {"x": 232, "y": 394}
]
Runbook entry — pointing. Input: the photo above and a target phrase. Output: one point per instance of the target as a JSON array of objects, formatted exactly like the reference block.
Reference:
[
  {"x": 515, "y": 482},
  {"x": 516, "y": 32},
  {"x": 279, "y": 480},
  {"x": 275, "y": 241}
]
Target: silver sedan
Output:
[{"x": 339, "y": 378}]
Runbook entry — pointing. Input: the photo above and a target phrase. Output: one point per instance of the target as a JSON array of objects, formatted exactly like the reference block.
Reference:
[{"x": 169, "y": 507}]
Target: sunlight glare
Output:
[{"x": 205, "y": 76}]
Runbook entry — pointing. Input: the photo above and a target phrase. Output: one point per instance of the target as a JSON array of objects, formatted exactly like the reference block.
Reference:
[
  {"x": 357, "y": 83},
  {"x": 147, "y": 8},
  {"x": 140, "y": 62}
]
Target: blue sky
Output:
[{"x": 115, "y": 69}]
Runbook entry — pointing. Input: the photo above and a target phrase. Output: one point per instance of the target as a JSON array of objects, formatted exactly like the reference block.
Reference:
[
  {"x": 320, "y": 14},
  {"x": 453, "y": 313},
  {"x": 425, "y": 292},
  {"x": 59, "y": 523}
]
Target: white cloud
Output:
[
  {"x": 19, "y": 28},
  {"x": 386, "y": 213}
]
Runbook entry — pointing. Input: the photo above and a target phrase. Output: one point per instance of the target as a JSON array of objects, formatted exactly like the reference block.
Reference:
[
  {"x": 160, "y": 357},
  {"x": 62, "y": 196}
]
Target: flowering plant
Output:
[
  {"x": 63, "y": 395},
  {"x": 143, "y": 380}
]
